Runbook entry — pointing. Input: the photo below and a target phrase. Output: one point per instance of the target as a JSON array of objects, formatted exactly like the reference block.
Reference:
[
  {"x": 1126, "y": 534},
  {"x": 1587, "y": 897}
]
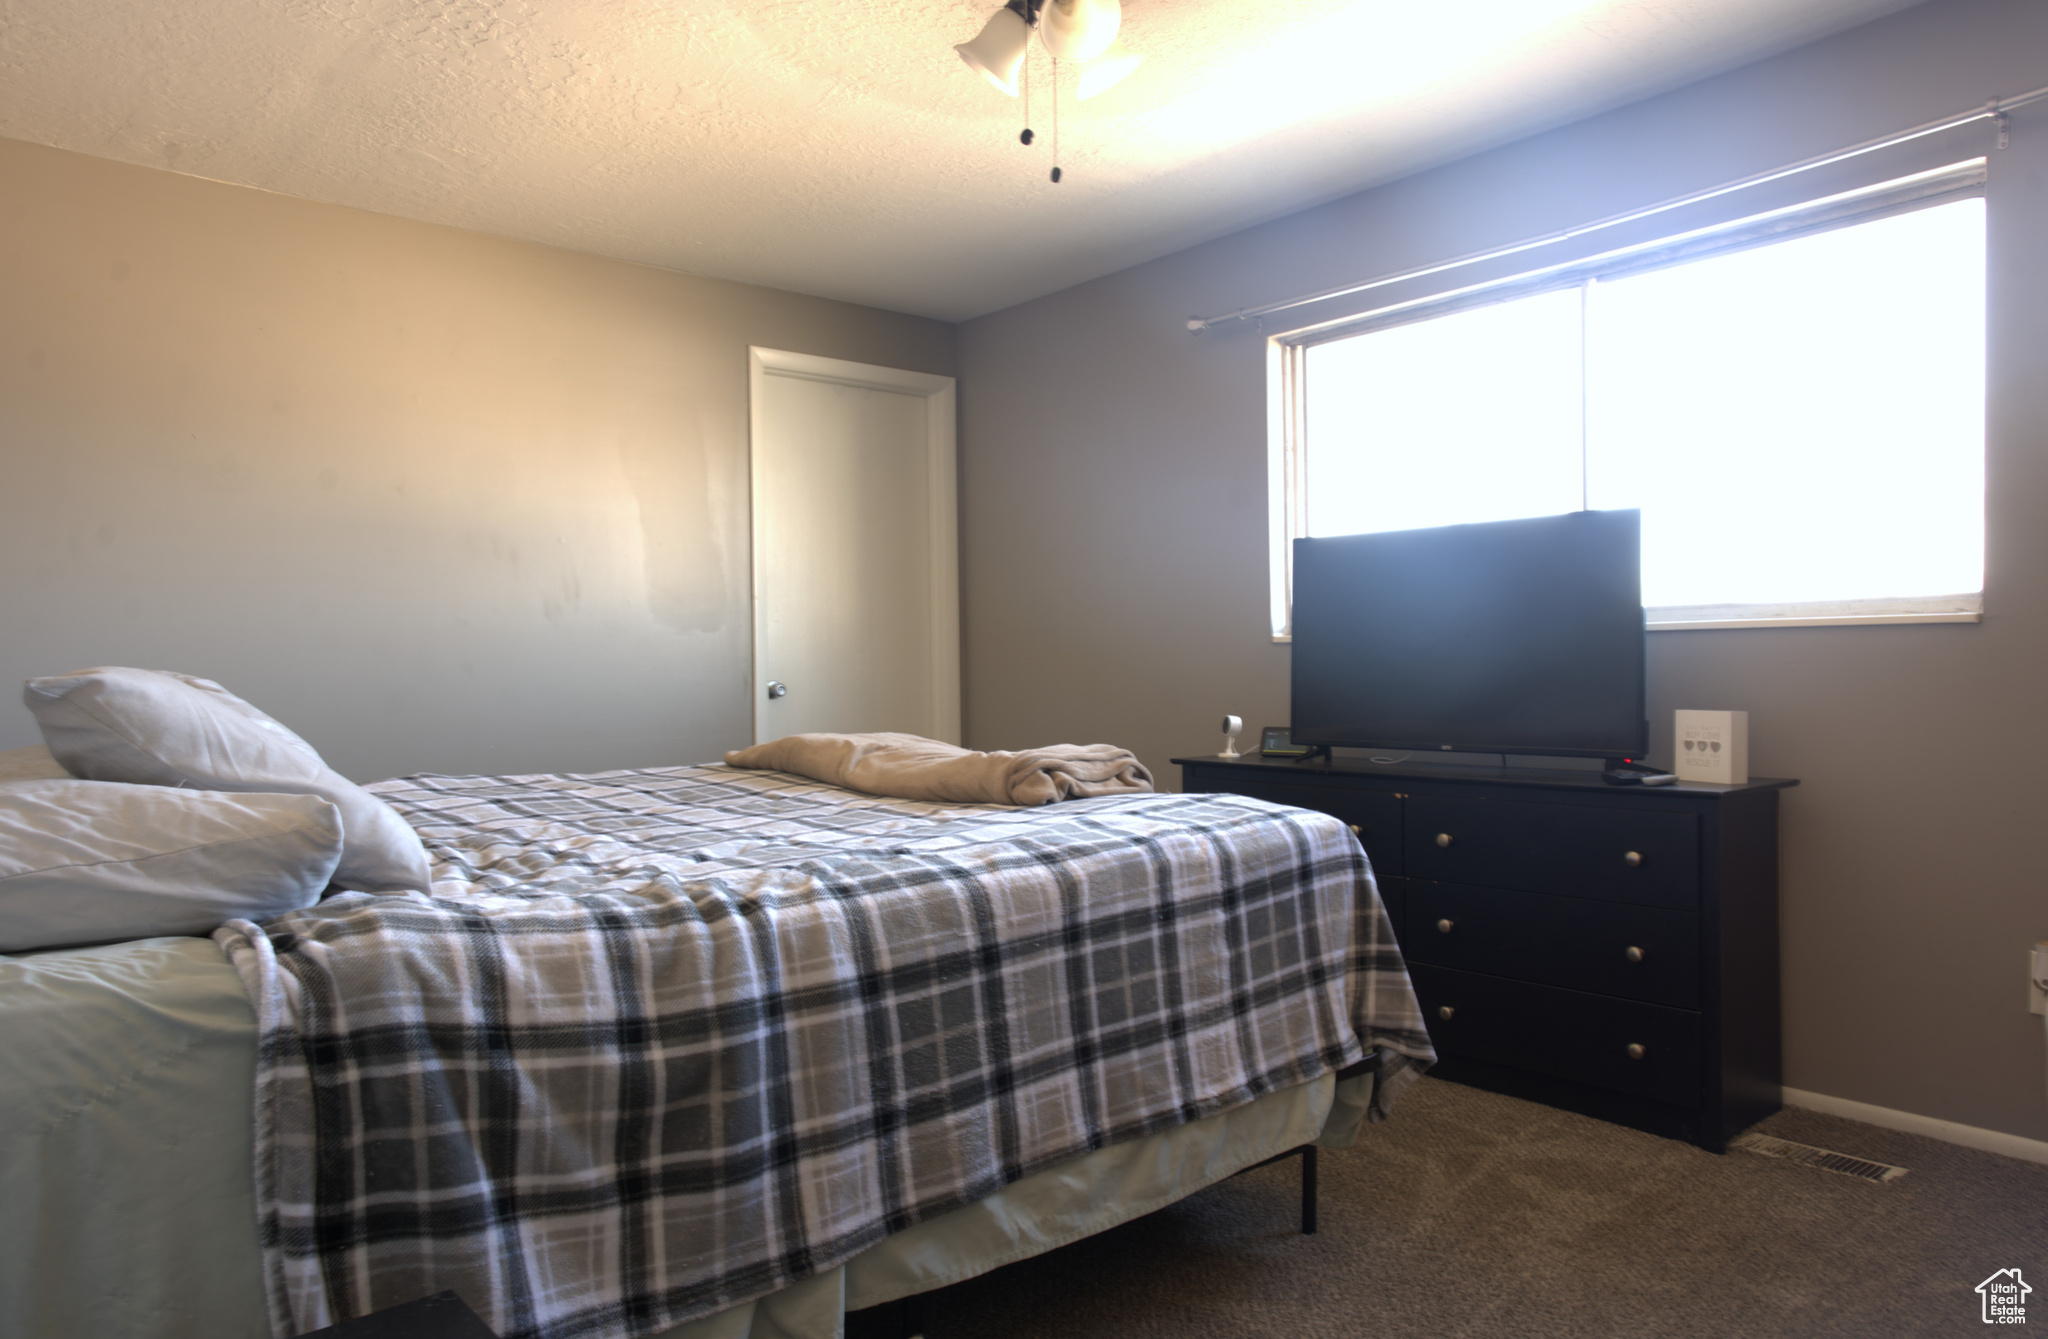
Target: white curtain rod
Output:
[{"x": 1994, "y": 110}]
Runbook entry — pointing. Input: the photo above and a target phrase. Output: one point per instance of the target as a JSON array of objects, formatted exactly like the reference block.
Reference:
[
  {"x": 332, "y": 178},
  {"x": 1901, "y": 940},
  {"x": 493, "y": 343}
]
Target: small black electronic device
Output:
[
  {"x": 1626, "y": 773},
  {"x": 1276, "y": 742}
]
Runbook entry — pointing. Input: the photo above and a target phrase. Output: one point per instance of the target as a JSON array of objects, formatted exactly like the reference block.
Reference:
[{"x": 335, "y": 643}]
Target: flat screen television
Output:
[{"x": 1518, "y": 637}]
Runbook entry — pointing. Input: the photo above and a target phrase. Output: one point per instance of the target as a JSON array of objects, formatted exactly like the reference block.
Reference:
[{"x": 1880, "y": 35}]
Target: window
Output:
[{"x": 1795, "y": 401}]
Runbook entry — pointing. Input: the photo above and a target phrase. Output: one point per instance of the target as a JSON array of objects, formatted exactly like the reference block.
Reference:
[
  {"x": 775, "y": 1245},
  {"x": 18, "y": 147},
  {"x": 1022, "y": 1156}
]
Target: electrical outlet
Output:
[{"x": 2037, "y": 979}]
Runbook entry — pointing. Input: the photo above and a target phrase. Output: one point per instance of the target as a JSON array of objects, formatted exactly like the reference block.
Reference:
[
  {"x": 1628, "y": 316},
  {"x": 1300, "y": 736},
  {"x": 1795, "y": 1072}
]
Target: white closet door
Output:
[{"x": 856, "y": 581}]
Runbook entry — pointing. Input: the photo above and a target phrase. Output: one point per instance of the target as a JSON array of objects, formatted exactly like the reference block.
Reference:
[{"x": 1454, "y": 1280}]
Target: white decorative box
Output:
[{"x": 1712, "y": 746}]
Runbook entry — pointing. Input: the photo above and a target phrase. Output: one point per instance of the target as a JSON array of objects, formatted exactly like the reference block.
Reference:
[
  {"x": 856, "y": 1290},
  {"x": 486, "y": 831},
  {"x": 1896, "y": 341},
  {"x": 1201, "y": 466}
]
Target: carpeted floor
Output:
[{"x": 1474, "y": 1214}]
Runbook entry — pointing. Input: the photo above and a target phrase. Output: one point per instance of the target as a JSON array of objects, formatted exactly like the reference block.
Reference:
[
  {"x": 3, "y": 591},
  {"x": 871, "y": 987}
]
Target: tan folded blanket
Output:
[{"x": 910, "y": 767}]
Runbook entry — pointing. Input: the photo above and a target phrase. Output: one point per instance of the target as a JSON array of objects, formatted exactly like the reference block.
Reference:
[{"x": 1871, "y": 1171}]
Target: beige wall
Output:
[
  {"x": 1113, "y": 514},
  {"x": 437, "y": 501}
]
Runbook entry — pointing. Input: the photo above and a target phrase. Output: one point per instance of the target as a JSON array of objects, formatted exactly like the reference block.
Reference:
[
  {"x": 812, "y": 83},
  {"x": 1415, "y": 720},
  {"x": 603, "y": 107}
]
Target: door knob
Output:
[
  {"x": 1443, "y": 927},
  {"x": 1633, "y": 954},
  {"x": 776, "y": 689},
  {"x": 1444, "y": 1011},
  {"x": 1443, "y": 839},
  {"x": 1632, "y": 858}
]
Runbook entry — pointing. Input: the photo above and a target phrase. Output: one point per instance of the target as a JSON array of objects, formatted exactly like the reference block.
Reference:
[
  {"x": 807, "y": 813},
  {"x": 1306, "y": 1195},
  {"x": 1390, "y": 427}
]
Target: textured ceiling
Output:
[{"x": 839, "y": 148}]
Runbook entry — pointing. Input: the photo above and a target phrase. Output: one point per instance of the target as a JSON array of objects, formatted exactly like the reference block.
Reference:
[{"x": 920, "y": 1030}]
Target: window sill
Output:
[
  {"x": 1836, "y": 621},
  {"x": 1818, "y": 613}
]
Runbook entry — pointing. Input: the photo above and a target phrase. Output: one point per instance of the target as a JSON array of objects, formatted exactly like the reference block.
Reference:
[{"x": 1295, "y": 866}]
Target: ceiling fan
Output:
[{"x": 1082, "y": 31}]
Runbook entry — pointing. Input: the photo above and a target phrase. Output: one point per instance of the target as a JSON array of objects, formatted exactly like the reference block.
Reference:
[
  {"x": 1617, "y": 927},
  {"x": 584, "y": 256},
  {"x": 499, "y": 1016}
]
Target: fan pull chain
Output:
[
  {"x": 1027, "y": 136},
  {"x": 1055, "y": 120}
]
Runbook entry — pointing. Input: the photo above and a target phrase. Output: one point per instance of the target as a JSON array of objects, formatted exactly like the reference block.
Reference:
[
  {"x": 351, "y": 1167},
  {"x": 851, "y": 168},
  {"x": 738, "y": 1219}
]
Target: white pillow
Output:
[
  {"x": 159, "y": 729},
  {"x": 85, "y": 862},
  {"x": 34, "y": 763}
]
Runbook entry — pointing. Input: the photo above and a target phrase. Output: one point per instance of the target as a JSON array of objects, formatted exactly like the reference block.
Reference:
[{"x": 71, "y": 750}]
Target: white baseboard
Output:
[{"x": 1969, "y": 1136}]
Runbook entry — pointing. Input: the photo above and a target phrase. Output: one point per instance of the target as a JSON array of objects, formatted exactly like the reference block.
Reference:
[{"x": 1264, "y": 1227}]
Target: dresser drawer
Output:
[
  {"x": 1567, "y": 1033},
  {"x": 1618, "y": 855},
  {"x": 1374, "y": 815},
  {"x": 1604, "y": 948}
]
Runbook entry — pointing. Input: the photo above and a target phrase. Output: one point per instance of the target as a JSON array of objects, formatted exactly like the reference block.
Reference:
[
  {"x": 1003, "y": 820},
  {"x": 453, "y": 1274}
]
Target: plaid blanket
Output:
[{"x": 662, "y": 1041}]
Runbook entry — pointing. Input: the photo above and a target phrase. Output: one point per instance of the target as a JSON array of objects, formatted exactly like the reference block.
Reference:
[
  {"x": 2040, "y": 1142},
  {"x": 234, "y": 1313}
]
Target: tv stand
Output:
[{"x": 1607, "y": 949}]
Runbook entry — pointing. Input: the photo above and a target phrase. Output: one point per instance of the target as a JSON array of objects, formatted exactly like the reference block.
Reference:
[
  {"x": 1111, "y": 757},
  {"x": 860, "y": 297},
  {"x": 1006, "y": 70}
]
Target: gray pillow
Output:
[
  {"x": 160, "y": 729},
  {"x": 34, "y": 763},
  {"x": 86, "y": 862}
]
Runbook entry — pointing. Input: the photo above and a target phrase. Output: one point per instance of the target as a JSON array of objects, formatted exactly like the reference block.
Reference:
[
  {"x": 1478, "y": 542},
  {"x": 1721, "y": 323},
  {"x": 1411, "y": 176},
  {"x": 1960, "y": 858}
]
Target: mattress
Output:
[{"x": 127, "y": 1204}]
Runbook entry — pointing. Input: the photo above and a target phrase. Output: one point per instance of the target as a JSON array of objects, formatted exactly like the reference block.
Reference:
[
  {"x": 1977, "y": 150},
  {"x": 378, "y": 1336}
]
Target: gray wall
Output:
[
  {"x": 1113, "y": 492},
  {"x": 437, "y": 501}
]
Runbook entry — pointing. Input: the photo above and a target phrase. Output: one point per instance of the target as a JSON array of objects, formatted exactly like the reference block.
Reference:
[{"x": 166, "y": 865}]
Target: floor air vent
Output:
[{"x": 1808, "y": 1156}]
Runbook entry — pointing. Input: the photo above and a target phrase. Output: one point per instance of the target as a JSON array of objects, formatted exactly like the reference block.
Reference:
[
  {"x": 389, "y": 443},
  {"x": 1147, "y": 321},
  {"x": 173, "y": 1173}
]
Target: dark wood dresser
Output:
[{"x": 1612, "y": 950}]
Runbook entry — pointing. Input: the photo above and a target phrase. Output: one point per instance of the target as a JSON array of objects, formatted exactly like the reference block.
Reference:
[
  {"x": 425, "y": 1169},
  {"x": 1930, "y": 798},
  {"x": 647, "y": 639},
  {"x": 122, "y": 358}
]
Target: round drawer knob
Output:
[
  {"x": 1636, "y": 1050},
  {"x": 1444, "y": 1011},
  {"x": 1443, "y": 839},
  {"x": 777, "y": 690},
  {"x": 1443, "y": 927},
  {"x": 1634, "y": 954},
  {"x": 1632, "y": 859},
  {"x": 1357, "y": 831}
]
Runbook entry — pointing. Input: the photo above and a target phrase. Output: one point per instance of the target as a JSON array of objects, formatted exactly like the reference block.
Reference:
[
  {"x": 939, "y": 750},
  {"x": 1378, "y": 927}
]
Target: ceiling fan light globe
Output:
[
  {"x": 997, "y": 52},
  {"x": 1107, "y": 70},
  {"x": 1079, "y": 30}
]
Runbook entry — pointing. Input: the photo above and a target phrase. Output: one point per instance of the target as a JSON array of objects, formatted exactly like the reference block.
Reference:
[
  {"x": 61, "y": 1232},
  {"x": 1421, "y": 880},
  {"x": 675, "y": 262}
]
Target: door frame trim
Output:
[{"x": 942, "y": 499}]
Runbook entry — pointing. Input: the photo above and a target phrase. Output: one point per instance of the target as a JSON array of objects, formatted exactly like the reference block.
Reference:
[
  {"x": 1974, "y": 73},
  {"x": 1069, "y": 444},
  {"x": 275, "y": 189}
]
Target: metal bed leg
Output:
[
  {"x": 1308, "y": 1190},
  {"x": 1369, "y": 1065}
]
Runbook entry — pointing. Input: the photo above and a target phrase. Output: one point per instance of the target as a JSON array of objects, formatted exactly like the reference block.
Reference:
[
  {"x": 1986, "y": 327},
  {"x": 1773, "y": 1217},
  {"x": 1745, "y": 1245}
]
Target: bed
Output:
[{"x": 690, "y": 1052}]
